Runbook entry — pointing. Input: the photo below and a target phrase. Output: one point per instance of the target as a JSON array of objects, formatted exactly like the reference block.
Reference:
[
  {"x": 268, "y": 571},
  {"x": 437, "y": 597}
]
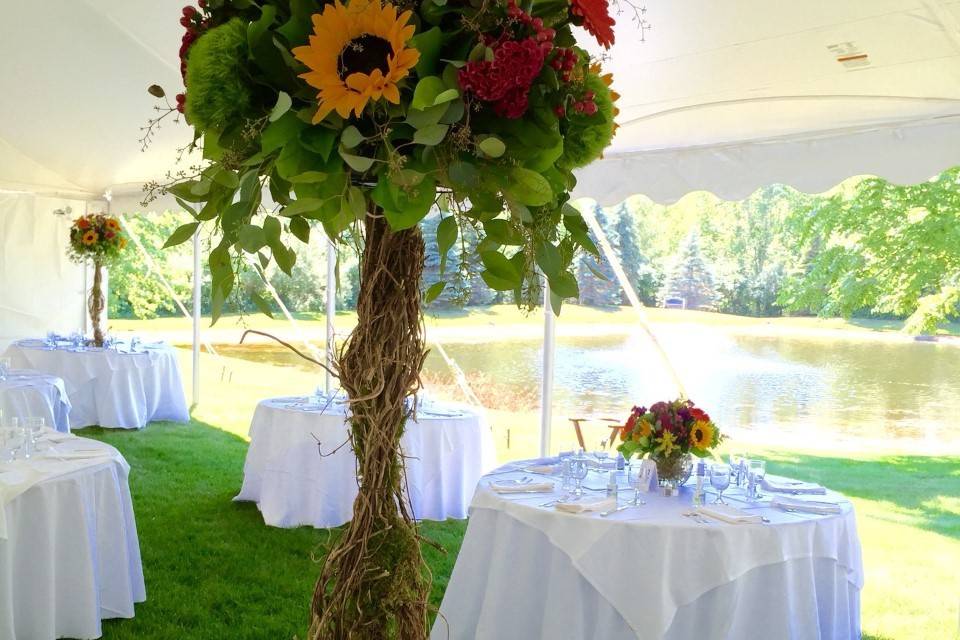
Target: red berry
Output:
[
  {"x": 202, "y": 3},
  {"x": 559, "y": 111},
  {"x": 537, "y": 23},
  {"x": 589, "y": 95},
  {"x": 546, "y": 46},
  {"x": 185, "y": 21},
  {"x": 189, "y": 11},
  {"x": 550, "y": 34},
  {"x": 590, "y": 108}
]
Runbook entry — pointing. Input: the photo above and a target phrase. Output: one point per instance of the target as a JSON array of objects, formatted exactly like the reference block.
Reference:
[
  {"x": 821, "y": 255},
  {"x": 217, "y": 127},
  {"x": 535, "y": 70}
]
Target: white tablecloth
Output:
[
  {"x": 31, "y": 394},
  {"x": 109, "y": 387},
  {"x": 69, "y": 554},
  {"x": 293, "y": 485},
  {"x": 528, "y": 572}
]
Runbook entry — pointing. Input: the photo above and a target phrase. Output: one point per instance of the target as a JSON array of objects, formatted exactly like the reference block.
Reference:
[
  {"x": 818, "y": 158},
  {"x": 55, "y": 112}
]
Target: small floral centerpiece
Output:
[
  {"x": 100, "y": 239},
  {"x": 670, "y": 433}
]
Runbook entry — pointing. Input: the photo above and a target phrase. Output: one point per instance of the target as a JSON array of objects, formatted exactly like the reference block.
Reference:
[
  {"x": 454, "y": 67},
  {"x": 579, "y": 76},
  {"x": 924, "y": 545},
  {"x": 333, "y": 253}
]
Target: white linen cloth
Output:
[
  {"x": 293, "y": 485},
  {"x": 527, "y": 571},
  {"x": 70, "y": 554},
  {"x": 26, "y": 394},
  {"x": 111, "y": 387}
]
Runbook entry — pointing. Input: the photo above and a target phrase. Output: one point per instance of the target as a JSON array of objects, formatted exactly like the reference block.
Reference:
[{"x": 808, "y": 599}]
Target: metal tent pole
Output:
[
  {"x": 546, "y": 382},
  {"x": 197, "y": 275},
  {"x": 331, "y": 311}
]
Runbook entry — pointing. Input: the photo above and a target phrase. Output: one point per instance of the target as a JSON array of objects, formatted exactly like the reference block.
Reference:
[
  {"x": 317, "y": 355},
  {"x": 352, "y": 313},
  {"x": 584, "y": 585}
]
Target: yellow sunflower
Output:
[
  {"x": 701, "y": 436},
  {"x": 90, "y": 237},
  {"x": 113, "y": 224},
  {"x": 358, "y": 53}
]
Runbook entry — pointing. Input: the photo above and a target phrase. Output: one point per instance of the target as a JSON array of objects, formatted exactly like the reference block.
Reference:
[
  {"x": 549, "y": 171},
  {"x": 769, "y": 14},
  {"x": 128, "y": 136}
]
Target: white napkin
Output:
[
  {"x": 80, "y": 454},
  {"x": 515, "y": 486},
  {"x": 728, "y": 513},
  {"x": 585, "y": 506},
  {"x": 807, "y": 506},
  {"x": 785, "y": 485},
  {"x": 548, "y": 469},
  {"x": 11, "y": 478}
]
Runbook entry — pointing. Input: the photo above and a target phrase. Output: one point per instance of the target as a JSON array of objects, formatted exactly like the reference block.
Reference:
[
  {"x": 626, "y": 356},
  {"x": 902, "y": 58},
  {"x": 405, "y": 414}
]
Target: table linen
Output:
[
  {"x": 25, "y": 394},
  {"x": 69, "y": 552},
  {"x": 528, "y": 571},
  {"x": 114, "y": 388},
  {"x": 447, "y": 450}
]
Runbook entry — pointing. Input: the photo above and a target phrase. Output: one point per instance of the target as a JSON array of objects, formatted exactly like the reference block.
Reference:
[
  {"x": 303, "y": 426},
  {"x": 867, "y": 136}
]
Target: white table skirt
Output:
[
  {"x": 109, "y": 388},
  {"x": 71, "y": 556},
  {"x": 26, "y": 394},
  {"x": 526, "y": 572},
  {"x": 294, "y": 486}
]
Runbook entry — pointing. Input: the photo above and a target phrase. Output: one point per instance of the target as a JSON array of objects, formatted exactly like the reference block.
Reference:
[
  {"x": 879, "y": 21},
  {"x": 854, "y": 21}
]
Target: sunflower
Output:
[
  {"x": 113, "y": 224},
  {"x": 357, "y": 54},
  {"x": 90, "y": 238},
  {"x": 701, "y": 435}
]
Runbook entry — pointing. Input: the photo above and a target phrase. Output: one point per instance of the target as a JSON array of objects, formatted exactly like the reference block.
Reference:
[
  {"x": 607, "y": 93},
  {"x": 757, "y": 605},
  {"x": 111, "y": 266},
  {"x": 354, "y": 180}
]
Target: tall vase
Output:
[
  {"x": 673, "y": 471},
  {"x": 374, "y": 583},
  {"x": 96, "y": 302}
]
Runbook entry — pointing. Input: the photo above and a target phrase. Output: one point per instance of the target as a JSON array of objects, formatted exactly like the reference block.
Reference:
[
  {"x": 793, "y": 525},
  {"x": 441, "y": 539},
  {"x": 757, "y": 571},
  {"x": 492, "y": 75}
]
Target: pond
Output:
[{"x": 816, "y": 387}]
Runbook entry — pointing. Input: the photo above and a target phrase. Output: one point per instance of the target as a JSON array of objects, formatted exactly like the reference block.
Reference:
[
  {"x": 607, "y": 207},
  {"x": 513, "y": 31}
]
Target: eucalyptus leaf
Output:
[
  {"x": 181, "y": 234},
  {"x": 434, "y": 292},
  {"x": 492, "y": 146},
  {"x": 351, "y": 137},
  {"x": 284, "y": 102},
  {"x": 300, "y": 228},
  {"x": 357, "y": 163},
  {"x": 251, "y": 238},
  {"x": 262, "y": 305},
  {"x": 528, "y": 187},
  {"x": 431, "y": 135}
]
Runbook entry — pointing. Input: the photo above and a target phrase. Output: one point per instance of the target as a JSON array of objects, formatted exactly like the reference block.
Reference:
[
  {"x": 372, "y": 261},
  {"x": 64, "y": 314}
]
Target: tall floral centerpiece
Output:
[
  {"x": 360, "y": 117},
  {"x": 670, "y": 433},
  {"x": 98, "y": 239}
]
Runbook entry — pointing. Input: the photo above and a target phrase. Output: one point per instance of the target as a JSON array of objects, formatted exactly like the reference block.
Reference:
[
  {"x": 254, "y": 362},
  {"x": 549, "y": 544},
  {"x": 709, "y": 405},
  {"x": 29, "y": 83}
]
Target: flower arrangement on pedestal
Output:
[
  {"x": 99, "y": 239},
  {"x": 669, "y": 432},
  {"x": 360, "y": 117}
]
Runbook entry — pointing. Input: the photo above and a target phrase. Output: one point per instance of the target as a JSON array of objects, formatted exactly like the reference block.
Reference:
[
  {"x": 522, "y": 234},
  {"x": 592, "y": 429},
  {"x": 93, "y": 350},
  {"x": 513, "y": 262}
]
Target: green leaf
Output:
[
  {"x": 181, "y": 234},
  {"x": 251, "y": 238},
  {"x": 184, "y": 191},
  {"x": 279, "y": 133},
  {"x": 351, "y": 137},
  {"x": 357, "y": 163},
  {"x": 404, "y": 207},
  {"x": 426, "y": 92},
  {"x": 492, "y": 146},
  {"x": 300, "y": 228},
  {"x": 446, "y": 96},
  {"x": 308, "y": 177},
  {"x": 272, "y": 229},
  {"x": 434, "y": 292},
  {"x": 307, "y": 207},
  {"x": 431, "y": 135},
  {"x": 501, "y": 274},
  {"x": 447, "y": 232},
  {"x": 319, "y": 140},
  {"x": 419, "y": 119},
  {"x": 564, "y": 285},
  {"x": 548, "y": 259},
  {"x": 428, "y": 44},
  {"x": 286, "y": 258},
  {"x": 261, "y": 304},
  {"x": 528, "y": 187},
  {"x": 357, "y": 202},
  {"x": 226, "y": 178},
  {"x": 284, "y": 102}
]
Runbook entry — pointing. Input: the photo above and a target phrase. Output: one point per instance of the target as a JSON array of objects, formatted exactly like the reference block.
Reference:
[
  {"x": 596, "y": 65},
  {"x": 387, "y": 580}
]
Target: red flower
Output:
[
  {"x": 595, "y": 18},
  {"x": 506, "y": 79}
]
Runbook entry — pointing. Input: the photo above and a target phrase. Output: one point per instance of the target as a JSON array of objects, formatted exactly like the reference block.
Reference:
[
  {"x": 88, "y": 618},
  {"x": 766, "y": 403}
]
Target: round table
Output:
[
  {"x": 31, "y": 394},
  {"x": 447, "y": 450},
  {"x": 69, "y": 554},
  {"x": 527, "y": 571},
  {"x": 113, "y": 388}
]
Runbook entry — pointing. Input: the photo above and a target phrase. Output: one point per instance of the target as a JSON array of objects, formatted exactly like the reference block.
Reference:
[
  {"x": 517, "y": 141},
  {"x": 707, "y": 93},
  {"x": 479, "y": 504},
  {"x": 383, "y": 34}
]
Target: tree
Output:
[
  {"x": 640, "y": 273},
  {"x": 459, "y": 270},
  {"x": 882, "y": 248},
  {"x": 599, "y": 286},
  {"x": 690, "y": 277}
]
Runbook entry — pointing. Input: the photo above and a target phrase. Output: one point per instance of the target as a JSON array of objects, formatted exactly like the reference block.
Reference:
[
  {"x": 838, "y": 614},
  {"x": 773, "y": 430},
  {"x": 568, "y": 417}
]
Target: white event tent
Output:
[{"x": 717, "y": 96}]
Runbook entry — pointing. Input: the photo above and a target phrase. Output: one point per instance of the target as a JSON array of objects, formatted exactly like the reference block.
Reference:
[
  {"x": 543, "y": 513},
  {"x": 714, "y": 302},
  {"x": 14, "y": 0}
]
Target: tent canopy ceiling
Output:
[{"x": 721, "y": 96}]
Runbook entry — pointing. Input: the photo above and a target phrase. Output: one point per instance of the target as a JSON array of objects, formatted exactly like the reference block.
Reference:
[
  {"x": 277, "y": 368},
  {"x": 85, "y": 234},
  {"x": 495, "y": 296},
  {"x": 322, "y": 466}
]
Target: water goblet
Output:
[
  {"x": 34, "y": 428},
  {"x": 720, "y": 480},
  {"x": 633, "y": 479},
  {"x": 10, "y": 443},
  {"x": 578, "y": 470},
  {"x": 566, "y": 473},
  {"x": 758, "y": 470}
]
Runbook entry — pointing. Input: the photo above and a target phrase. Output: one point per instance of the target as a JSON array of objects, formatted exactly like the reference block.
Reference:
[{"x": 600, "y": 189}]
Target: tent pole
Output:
[
  {"x": 546, "y": 389},
  {"x": 196, "y": 317},
  {"x": 331, "y": 311}
]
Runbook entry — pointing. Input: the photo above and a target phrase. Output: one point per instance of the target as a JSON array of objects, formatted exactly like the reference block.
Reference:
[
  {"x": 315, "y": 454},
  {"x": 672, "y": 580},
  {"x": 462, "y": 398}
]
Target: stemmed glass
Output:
[
  {"x": 633, "y": 477},
  {"x": 34, "y": 427},
  {"x": 720, "y": 480},
  {"x": 578, "y": 471},
  {"x": 758, "y": 471}
]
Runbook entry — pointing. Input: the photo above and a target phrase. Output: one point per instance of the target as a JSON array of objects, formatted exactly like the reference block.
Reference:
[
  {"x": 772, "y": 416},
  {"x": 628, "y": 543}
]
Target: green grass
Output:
[{"x": 214, "y": 570}]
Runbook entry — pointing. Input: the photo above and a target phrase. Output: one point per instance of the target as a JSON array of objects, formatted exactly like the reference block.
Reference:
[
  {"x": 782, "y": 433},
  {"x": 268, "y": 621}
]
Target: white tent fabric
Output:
[{"x": 746, "y": 89}]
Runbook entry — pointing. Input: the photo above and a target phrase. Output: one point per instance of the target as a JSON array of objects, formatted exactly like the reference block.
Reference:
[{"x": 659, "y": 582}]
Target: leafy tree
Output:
[
  {"x": 882, "y": 248},
  {"x": 690, "y": 277}
]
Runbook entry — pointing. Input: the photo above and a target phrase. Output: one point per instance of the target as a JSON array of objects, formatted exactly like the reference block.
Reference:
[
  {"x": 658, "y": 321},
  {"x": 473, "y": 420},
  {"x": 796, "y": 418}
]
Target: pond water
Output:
[{"x": 816, "y": 387}]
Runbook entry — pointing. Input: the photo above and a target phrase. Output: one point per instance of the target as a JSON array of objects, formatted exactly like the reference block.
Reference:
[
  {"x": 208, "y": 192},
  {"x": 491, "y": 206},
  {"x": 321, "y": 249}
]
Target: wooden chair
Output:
[{"x": 614, "y": 430}]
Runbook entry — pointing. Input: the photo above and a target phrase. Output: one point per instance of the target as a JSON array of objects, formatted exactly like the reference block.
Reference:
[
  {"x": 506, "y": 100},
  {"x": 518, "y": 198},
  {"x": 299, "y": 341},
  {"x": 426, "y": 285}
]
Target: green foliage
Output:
[
  {"x": 587, "y": 136},
  {"x": 219, "y": 94},
  {"x": 882, "y": 248},
  {"x": 690, "y": 277}
]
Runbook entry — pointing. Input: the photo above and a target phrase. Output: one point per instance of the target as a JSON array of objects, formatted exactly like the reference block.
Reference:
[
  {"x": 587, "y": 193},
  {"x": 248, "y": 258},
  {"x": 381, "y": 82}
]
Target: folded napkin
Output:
[
  {"x": 11, "y": 478},
  {"x": 585, "y": 506},
  {"x": 80, "y": 454},
  {"x": 548, "y": 469},
  {"x": 515, "y": 486},
  {"x": 728, "y": 513},
  {"x": 807, "y": 506},
  {"x": 785, "y": 485}
]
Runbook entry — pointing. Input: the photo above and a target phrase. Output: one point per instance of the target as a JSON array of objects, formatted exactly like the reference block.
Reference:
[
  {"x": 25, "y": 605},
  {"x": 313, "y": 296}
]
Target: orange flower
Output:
[
  {"x": 90, "y": 238},
  {"x": 82, "y": 223},
  {"x": 113, "y": 224}
]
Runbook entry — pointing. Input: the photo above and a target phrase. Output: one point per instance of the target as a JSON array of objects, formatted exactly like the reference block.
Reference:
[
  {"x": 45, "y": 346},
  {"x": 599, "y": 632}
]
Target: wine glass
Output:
[
  {"x": 10, "y": 443},
  {"x": 720, "y": 480},
  {"x": 34, "y": 427},
  {"x": 578, "y": 470},
  {"x": 758, "y": 471},
  {"x": 634, "y": 477}
]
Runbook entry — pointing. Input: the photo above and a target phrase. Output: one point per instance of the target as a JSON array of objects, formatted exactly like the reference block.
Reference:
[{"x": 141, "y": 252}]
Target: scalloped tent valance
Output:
[{"x": 722, "y": 96}]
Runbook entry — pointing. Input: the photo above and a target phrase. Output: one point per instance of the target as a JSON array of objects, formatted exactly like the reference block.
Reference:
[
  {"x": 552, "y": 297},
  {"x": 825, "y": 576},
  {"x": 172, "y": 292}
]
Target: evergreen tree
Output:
[
  {"x": 640, "y": 273},
  {"x": 690, "y": 277},
  {"x": 599, "y": 286}
]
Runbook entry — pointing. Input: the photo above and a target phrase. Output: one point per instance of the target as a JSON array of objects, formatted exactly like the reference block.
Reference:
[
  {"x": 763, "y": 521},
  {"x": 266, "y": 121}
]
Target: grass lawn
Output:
[{"x": 214, "y": 570}]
